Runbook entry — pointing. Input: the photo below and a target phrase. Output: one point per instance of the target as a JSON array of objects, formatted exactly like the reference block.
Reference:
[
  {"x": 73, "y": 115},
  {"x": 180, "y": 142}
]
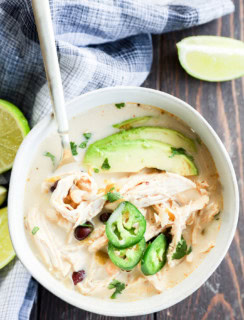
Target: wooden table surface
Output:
[{"x": 222, "y": 104}]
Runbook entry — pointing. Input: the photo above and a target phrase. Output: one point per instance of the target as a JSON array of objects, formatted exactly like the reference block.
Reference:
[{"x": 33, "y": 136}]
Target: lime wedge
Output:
[
  {"x": 6, "y": 249},
  {"x": 13, "y": 128},
  {"x": 212, "y": 58},
  {"x": 3, "y": 194}
]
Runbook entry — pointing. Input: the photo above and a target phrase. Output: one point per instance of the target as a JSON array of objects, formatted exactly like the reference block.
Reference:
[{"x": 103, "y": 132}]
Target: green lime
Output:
[
  {"x": 212, "y": 58},
  {"x": 6, "y": 249},
  {"x": 3, "y": 194},
  {"x": 13, "y": 128}
]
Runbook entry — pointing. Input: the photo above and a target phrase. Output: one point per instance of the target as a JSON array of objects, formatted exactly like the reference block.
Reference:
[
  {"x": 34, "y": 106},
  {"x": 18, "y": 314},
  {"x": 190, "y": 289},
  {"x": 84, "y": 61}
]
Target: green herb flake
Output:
[
  {"x": 217, "y": 216},
  {"x": 34, "y": 230},
  {"x": 96, "y": 170},
  {"x": 120, "y": 105},
  {"x": 112, "y": 196},
  {"x": 86, "y": 225},
  {"x": 73, "y": 147},
  {"x": 118, "y": 286},
  {"x": 83, "y": 145},
  {"x": 189, "y": 250},
  {"x": 180, "y": 151},
  {"x": 105, "y": 165},
  {"x": 87, "y": 135},
  {"x": 51, "y": 156},
  {"x": 181, "y": 249}
]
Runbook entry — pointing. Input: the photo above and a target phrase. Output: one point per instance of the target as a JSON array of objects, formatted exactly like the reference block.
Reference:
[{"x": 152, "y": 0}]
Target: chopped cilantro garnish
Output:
[
  {"x": 179, "y": 151},
  {"x": 189, "y": 250},
  {"x": 87, "y": 135},
  {"x": 73, "y": 147},
  {"x": 96, "y": 170},
  {"x": 105, "y": 165},
  {"x": 118, "y": 286},
  {"x": 51, "y": 156},
  {"x": 112, "y": 196},
  {"x": 83, "y": 145},
  {"x": 34, "y": 230},
  {"x": 87, "y": 225},
  {"x": 181, "y": 249},
  {"x": 120, "y": 105},
  {"x": 216, "y": 217}
]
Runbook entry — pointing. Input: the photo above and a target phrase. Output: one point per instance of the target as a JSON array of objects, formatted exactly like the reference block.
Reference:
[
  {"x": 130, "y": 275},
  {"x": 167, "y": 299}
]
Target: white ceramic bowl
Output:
[{"x": 172, "y": 296}]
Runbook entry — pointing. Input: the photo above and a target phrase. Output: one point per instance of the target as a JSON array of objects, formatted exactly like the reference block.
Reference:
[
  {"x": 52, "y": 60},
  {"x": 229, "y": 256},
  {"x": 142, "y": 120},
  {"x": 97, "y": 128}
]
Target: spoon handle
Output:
[{"x": 44, "y": 26}]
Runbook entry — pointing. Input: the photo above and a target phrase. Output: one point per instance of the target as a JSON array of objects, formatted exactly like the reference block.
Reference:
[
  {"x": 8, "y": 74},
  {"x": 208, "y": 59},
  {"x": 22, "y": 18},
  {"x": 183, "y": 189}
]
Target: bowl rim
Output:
[{"x": 96, "y": 308}]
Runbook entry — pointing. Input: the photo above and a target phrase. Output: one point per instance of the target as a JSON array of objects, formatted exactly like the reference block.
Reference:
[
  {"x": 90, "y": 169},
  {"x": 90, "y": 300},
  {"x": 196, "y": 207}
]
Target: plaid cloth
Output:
[{"x": 100, "y": 43}]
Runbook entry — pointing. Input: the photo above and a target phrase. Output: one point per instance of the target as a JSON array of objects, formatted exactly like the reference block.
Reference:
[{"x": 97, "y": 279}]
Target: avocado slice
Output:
[
  {"x": 127, "y": 124},
  {"x": 134, "y": 155},
  {"x": 170, "y": 136}
]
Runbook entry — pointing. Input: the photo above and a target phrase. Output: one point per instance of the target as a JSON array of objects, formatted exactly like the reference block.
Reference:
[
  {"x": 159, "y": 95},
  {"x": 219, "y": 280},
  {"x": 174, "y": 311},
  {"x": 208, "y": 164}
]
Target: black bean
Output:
[
  {"x": 168, "y": 234},
  {"x": 78, "y": 276},
  {"x": 83, "y": 231},
  {"x": 54, "y": 186},
  {"x": 104, "y": 216}
]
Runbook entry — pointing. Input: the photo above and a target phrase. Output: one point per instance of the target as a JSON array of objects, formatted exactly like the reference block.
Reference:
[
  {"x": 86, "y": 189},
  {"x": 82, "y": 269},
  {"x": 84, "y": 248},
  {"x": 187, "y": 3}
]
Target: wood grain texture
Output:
[{"x": 222, "y": 104}]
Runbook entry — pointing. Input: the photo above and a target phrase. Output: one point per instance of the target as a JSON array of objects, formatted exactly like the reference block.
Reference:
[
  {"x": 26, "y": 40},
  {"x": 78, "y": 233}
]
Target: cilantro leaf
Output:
[
  {"x": 86, "y": 225},
  {"x": 118, "y": 286},
  {"x": 73, "y": 147},
  {"x": 96, "y": 170},
  {"x": 179, "y": 151},
  {"x": 120, "y": 105},
  {"x": 87, "y": 135},
  {"x": 83, "y": 145},
  {"x": 34, "y": 230},
  {"x": 51, "y": 156},
  {"x": 189, "y": 250},
  {"x": 181, "y": 249},
  {"x": 105, "y": 165},
  {"x": 112, "y": 196}
]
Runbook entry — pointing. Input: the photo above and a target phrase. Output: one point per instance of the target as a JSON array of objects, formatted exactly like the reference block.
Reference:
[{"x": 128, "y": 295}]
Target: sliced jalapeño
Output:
[
  {"x": 126, "y": 226},
  {"x": 155, "y": 256},
  {"x": 127, "y": 259}
]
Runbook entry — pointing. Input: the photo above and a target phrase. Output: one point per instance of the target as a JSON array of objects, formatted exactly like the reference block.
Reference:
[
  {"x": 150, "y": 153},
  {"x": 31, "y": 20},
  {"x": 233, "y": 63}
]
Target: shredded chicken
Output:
[
  {"x": 157, "y": 280},
  {"x": 165, "y": 199},
  {"x": 177, "y": 205},
  {"x": 208, "y": 213},
  {"x": 145, "y": 190},
  {"x": 181, "y": 216},
  {"x": 92, "y": 282},
  {"x": 46, "y": 243},
  {"x": 76, "y": 198}
]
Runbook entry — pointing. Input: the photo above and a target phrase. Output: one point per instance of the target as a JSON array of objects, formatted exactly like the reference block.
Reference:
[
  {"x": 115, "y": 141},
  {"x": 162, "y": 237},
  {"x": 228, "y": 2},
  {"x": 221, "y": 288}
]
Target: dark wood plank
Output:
[
  {"x": 51, "y": 307},
  {"x": 221, "y": 297},
  {"x": 222, "y": 104}
]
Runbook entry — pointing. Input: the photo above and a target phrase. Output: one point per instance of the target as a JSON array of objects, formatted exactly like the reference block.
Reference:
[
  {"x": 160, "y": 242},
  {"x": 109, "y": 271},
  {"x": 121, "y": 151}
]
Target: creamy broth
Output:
[{"x": 200, "y": 233}]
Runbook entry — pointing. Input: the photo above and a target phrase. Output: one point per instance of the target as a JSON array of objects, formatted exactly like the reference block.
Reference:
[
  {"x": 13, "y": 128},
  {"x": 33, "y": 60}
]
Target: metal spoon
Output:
[{"x": 44, "y": 26}]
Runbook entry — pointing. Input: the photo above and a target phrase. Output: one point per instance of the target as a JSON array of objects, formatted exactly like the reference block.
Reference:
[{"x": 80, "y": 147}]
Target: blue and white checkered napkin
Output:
[{"x": 100, "y": 43}]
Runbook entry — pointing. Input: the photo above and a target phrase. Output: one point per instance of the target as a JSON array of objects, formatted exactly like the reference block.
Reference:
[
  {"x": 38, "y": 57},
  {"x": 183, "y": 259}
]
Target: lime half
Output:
[
  {"x": 3, "y": 194},
  {"x": 6, "y": 249},
  {"x": 13, "y": 128},
  {"x": 212, "y": 58}
]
